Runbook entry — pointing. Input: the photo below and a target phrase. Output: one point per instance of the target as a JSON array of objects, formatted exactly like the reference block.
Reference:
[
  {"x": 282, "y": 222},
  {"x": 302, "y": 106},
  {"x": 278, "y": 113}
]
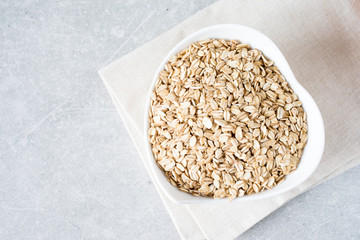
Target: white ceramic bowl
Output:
[{"x": 316, "y": 136}]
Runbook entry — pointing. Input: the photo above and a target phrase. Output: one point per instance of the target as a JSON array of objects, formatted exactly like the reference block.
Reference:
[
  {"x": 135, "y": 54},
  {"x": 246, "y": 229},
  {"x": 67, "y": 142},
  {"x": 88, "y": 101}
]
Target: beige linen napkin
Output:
[{"x": 319, "y": 40}]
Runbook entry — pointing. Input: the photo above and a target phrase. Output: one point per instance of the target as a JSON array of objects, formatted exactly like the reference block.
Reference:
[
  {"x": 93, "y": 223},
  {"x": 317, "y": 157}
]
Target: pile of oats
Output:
[{"x": 224, "y": 122}]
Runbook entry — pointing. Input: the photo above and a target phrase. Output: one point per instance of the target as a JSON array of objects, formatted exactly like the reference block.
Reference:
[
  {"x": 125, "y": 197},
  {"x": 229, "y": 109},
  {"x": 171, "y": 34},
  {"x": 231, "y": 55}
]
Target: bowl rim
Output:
[{"x": 315, "y": 113}]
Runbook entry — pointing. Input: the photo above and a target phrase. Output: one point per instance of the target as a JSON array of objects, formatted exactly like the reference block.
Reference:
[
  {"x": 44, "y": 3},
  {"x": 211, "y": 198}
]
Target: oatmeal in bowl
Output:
[{"x": 224, "y": 122}]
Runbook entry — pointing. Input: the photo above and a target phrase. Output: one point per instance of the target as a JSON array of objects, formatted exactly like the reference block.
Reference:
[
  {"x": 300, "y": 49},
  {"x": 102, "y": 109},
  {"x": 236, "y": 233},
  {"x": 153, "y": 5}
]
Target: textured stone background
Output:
[{"x": 68, "y": 169}]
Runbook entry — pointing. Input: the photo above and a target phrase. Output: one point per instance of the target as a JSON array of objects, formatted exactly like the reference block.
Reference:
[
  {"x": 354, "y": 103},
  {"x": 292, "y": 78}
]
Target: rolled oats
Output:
[{"x": 224, "y": 122}]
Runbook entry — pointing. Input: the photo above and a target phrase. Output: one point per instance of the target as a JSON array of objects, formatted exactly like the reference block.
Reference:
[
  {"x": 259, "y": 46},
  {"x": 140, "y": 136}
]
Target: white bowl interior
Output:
[{"x": 316, "y": 136}]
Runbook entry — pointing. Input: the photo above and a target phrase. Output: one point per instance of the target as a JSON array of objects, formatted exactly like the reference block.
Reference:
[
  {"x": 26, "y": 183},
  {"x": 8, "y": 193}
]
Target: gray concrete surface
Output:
[{"x": 68, "y": 169}]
